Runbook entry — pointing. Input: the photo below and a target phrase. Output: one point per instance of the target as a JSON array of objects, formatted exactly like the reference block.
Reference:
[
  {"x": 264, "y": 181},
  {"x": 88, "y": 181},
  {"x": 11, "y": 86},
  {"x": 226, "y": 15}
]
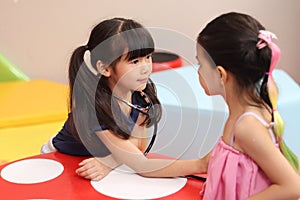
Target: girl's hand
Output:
[{"x": 93, "y": 169}]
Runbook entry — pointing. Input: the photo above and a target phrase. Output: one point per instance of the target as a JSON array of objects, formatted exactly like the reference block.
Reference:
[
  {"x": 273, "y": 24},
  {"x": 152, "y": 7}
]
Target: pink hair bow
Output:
[{"x": 265, "y": 38}]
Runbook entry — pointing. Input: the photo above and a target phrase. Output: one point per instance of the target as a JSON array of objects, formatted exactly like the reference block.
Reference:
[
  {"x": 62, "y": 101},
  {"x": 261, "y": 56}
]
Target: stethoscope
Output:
[{"x": 145, "y": 111}]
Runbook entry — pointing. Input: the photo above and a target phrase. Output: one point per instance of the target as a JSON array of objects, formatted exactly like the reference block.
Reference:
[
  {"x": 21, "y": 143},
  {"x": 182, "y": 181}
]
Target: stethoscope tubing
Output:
[
  {"x": 152, "y": 139},
  {"x": 143, "y": 112}
]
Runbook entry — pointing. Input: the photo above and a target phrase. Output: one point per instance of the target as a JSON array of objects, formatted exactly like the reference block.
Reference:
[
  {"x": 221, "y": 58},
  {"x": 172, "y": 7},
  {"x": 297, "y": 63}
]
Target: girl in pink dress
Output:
[{"x": 251, "y": 161}]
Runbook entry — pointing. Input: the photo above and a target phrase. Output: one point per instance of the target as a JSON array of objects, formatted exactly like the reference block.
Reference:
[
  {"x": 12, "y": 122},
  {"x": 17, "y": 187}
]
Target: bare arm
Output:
[
  {"x": 125, "y": 152},
  {"x": 253, "y": 138},
  {"x": 129, "y": 152}
]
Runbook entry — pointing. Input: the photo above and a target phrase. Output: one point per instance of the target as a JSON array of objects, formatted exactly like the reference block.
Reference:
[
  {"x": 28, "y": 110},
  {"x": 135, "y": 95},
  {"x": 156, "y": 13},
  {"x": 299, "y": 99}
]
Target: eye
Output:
[
  {"x": 149, "y": 56},
  {"x": 136, "y": 61}
]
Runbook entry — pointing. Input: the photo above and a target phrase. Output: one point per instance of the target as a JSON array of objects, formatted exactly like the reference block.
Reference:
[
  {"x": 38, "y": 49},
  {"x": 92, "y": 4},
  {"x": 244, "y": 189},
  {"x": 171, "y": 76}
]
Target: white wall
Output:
[{"x": 39, "y": 35}]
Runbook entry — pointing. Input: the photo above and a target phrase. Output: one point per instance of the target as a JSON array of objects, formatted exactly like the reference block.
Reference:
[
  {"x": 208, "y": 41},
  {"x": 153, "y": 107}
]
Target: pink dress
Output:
[{"x": 233, "y": 175}]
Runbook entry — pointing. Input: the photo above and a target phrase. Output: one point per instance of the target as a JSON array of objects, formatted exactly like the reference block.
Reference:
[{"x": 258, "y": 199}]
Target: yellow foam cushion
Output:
[
  {"x": 23, "y": 141},
  {"x": 32, "y": 102}
]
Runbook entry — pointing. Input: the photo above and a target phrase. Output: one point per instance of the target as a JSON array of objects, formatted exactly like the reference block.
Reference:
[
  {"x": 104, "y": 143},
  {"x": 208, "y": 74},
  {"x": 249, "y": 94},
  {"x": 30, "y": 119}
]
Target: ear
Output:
[
  {"x": 223, "y": 74},
  {"x": 103, "y": 69}
]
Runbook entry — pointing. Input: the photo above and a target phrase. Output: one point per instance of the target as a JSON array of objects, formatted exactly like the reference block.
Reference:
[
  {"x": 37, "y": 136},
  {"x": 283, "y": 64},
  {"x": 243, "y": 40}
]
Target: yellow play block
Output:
[
  {"x": 32, "y": 102},
  {"x": 23, "y": 141}
]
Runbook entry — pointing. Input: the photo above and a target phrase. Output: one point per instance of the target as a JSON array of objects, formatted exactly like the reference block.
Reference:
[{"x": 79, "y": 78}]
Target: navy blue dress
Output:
[{"x": 67, "y": 143}]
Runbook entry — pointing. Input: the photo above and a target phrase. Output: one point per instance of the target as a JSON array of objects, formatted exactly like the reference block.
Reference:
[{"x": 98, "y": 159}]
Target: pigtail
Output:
[
  {"x": 266, "y": 39},
  {"x": 82, "y": 83},
  {"x": 76, "y": 61},
  {"x": 279, "y": 125}
]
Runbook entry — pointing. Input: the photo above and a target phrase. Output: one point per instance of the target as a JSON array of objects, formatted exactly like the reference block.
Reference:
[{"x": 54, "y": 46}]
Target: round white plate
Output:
[
  {"x": 32, "y": 171},
  {"x": 128, "y": 185}
]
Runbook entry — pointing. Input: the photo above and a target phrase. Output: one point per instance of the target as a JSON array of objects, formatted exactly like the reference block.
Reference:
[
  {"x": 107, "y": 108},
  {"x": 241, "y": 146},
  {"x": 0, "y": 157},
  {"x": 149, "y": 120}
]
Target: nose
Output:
[{"x": 146, "y": 66}]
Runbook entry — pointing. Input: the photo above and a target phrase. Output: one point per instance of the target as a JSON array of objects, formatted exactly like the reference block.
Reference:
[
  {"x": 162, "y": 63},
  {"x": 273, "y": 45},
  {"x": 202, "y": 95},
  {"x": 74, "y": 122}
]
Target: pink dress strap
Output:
[
  {"x": 267, "y": 125},
  {"x": 231, "y": 174}
]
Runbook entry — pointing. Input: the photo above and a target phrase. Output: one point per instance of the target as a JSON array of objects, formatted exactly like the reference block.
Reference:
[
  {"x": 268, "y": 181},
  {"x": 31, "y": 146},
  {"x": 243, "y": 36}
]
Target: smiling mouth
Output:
[{"x": 143, "y": 80}]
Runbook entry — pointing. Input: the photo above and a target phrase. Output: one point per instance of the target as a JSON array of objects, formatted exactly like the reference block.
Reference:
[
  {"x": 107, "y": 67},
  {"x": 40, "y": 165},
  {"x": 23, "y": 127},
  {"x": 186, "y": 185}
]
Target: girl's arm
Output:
[
  {"x": 254, "y": 140},
  {"x": 129, "y": 152},
  {"x": 125, "y": 152},
  {"x": 97, "y": 168}
]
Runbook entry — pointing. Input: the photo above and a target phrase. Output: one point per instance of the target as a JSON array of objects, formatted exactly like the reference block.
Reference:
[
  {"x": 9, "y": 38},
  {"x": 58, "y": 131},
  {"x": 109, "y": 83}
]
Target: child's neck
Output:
[{"x": 127, "y": 96}]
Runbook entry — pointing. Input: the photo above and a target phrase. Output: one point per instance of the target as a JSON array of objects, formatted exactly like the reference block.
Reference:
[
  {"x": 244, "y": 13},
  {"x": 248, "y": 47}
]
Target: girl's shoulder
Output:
[
  {"x": 258, "y": 116},
  {"x": 251, "y": 131},
  {"x": 250, "y": 121}
]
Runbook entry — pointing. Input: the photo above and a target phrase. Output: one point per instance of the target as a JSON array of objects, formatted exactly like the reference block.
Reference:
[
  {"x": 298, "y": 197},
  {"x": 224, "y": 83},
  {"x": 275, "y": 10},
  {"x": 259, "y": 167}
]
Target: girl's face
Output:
[
  {"x": 131, "y": 75},
  {"x": 209, "y": 76}
]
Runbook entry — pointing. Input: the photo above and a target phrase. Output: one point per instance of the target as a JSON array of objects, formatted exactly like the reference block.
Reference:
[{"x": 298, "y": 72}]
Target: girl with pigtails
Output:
[
  {"x": 251, "y": 161},
  {"x": 112, "y": 102}
]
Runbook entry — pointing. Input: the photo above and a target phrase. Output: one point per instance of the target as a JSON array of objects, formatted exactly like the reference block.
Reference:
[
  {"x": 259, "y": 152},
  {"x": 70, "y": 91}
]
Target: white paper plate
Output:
[
  {"x": 128, "y": 185},
  {"x": 32, "y": 171}
]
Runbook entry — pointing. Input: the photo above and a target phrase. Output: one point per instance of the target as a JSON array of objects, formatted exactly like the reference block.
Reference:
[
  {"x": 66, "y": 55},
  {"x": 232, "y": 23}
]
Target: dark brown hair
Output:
[
  {"x": 91, "y": 101},
  {"x": 230, "y": 40}
]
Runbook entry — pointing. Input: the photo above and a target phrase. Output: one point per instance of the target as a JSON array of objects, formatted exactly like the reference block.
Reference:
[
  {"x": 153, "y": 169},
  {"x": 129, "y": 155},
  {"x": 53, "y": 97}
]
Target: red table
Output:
[{"x": 71, "y": 187}]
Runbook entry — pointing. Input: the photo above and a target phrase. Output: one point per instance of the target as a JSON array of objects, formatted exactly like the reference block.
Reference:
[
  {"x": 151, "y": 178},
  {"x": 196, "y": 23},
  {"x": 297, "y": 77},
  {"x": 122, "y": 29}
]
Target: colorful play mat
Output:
[{"x": 31, "y": 111}]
